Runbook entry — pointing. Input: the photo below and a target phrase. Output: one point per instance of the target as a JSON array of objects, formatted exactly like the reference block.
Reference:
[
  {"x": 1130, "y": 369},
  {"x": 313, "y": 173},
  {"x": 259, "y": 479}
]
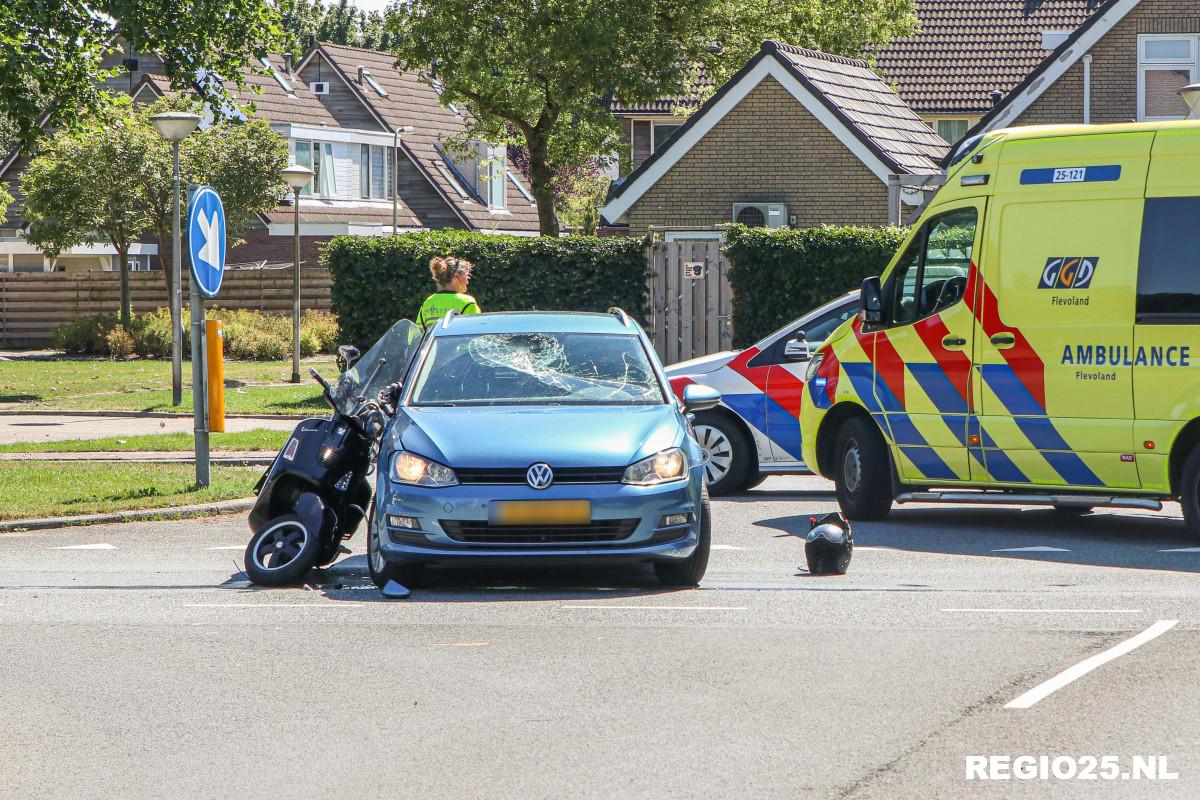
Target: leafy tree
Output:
[
  {"x": 342, "y": 23},
  {"x": 549, "y": 69},
  {"x": 56, "y": 49},
  {"x": 85, "y": 188}
]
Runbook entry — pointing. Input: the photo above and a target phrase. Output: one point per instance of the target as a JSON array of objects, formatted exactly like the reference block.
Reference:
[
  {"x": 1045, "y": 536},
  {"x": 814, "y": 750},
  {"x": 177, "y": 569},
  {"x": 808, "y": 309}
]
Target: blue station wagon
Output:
[{"x": 540, "y": 438}]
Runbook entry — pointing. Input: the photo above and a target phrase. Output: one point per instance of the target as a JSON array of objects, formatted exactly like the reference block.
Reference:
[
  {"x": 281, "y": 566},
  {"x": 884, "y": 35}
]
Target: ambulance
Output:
[{"x": 1035, "y": 341}]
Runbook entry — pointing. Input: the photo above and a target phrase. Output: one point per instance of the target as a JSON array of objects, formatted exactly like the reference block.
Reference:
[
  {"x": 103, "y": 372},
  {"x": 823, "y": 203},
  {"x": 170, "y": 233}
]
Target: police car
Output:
[
  {"x": 1034, "y": 340},
  {"x": 755, "y": 432}
]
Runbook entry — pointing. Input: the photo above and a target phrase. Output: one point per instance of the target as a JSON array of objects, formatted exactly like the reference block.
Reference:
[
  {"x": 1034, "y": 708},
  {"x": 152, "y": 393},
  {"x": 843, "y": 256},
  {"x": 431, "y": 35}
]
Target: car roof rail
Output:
[
  {"x": 449, "y": 314},
  {"x": 620, "y": 314}
]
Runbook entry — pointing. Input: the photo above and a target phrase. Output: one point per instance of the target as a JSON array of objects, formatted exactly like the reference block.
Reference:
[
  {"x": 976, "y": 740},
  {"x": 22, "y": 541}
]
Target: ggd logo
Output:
[{"x": 1068, "y": 272}]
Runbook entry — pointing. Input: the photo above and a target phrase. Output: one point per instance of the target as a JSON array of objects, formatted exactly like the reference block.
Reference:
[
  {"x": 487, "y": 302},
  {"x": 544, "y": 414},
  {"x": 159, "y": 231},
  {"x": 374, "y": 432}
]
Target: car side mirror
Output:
[
  {"x": 698, "y": 397},
  {"x": 870, "y": 300},
  {"x": 797, "y": 349},
  {"x": 347, "y": 356}
]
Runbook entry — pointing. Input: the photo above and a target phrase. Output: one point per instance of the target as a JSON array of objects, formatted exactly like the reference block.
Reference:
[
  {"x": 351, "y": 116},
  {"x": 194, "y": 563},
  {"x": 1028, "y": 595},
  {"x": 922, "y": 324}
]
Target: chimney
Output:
[
  {"x": 361, "y": 70},
  {"x": 996, "y": 96},
  {"x": 287, "y": 63}
]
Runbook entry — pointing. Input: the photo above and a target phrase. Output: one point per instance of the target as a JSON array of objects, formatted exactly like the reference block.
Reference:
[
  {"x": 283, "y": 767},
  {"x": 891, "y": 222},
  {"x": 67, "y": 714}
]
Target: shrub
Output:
[
  {"x": 86, "y": 336},
  {"x": 248, "y": 335},
  {"x": 119, "y": 342},
  {"x": 778, "y": 274},
  {"x": 379, "y": 280}
]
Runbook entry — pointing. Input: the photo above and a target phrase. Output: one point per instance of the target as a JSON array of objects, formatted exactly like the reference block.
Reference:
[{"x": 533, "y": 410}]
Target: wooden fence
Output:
[{"x": 33, "y": 305}]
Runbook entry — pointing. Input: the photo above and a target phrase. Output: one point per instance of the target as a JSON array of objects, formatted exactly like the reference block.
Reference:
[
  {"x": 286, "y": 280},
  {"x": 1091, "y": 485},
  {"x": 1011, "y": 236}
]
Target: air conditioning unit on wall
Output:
[
  {"x": 319, "y": 87},
  {"x": 760, "y": 215}
]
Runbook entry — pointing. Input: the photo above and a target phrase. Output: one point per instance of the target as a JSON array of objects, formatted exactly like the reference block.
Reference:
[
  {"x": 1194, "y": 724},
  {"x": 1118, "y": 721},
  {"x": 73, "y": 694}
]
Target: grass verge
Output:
[
  {"x": 145, "y": 384},
  {"x": 256, "y": 439},
  {"x": 29, "y": 490}
]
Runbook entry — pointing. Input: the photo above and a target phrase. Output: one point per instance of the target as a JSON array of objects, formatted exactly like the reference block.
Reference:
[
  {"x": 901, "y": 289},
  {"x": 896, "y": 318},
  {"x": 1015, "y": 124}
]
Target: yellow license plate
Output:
[{"x": 540, "y": 512}]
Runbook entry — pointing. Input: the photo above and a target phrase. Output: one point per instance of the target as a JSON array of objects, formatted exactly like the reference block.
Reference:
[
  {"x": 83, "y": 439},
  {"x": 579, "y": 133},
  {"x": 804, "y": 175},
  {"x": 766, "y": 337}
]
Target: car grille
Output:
[
  {"x": 481, "y": 532},
  {"x": 514, "y": 475}
]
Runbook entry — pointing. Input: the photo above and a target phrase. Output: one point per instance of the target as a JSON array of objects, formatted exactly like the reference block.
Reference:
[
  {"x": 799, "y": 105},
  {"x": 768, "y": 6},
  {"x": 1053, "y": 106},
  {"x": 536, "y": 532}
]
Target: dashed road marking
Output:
[
  {"x": 1046, "y": 688},
  {"x": 1048, "y": 610},
  {"x": 659, "y": 608},
  {"x": 1038, "y": 549},
  {"x": 725, "y": 547},
  {"x": 459, "y": 644},
  {"x": 270, "y": 605}
]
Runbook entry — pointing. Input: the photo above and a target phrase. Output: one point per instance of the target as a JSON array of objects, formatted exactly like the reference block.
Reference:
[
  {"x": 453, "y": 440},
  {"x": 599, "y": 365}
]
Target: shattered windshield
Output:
[
  {"x": 537, "y": 369},
  {"x": 382, "y": 364}
]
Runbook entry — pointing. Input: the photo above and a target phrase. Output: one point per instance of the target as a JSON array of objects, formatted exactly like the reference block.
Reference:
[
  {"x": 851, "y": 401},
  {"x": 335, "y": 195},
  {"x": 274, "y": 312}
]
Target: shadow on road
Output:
[{"x": 1108, "y": 538}]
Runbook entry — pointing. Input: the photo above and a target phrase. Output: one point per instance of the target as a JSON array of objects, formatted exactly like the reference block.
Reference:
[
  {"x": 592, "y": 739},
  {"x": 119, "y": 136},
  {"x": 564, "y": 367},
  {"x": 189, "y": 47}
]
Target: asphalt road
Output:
[{"x": 143, "y": 666}]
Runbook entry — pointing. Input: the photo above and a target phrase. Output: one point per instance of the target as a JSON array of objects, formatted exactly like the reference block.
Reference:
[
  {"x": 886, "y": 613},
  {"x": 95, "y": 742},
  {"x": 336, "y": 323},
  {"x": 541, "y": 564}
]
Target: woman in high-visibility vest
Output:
[{"x": 452, "y": 276}]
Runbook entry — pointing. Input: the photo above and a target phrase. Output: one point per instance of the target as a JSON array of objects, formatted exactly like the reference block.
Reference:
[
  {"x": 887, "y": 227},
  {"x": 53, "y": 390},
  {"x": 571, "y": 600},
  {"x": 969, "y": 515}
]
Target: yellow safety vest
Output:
[{"x": 438, "y": 303}]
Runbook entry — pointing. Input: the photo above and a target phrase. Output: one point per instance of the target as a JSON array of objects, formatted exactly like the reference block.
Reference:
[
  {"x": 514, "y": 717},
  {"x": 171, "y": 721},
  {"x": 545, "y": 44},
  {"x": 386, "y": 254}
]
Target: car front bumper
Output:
[{"x": 467, "y": 505}]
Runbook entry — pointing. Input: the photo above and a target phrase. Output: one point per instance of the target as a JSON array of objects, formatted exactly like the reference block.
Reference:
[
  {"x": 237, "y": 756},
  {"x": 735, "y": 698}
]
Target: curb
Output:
[
  {"x": 169, "y": 512},
  {"x": 50, "y": 412}
]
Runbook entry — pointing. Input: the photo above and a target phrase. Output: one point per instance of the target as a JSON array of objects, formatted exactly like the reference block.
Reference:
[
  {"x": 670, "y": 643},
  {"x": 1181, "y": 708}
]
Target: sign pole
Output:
[
  {"x": 199, "y": 388},
  {"x": 206, "y": 246}
]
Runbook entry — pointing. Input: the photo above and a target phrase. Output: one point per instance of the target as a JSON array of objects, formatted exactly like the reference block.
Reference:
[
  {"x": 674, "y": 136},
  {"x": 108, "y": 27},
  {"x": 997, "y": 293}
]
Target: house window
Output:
[
  {"x": 952, "y": 129},
  {"x": 493, "y": 168},
  {"x": 662, "y": 132},
  {"x": 317, "y": 156},
  {"x": 1166, "y": 64},
  {"x": 303, "y": 156},
  {"x": 373, "y": 171}
]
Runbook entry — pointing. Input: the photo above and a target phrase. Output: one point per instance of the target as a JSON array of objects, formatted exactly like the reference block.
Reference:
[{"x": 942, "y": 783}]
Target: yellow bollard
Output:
[{"x": 216, "y": 375}]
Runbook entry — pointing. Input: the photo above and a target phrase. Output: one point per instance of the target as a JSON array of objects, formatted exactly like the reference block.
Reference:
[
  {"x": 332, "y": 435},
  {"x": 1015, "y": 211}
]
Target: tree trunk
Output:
[
  {"x": 541, "y": 179},
  {"x": 126, "y": 301}
]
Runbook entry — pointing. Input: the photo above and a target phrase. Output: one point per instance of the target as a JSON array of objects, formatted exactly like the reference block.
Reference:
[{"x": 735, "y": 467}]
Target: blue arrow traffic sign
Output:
[{"x": 206, "y": 240}]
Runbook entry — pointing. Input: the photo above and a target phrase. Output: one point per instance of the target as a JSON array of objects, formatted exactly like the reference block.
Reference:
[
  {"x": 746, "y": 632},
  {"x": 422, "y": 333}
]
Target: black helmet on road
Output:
[{"x": 829, "y": 545}]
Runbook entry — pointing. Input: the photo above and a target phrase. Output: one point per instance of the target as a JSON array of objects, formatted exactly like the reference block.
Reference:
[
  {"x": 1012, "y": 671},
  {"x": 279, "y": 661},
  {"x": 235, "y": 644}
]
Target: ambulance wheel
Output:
[
  {"x": 1189, "y": 492},
  {"x": 729, "y": 455},
  {"x": 862, "y": 471}
]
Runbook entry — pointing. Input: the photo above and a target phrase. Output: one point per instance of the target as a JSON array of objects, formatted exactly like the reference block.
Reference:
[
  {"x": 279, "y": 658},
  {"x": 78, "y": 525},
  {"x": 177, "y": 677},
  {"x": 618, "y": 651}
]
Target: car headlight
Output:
[
  {"x": 414, "y": 470},
  {"x": 667, "y": 465},
  {"x": 813, "y": 365}
]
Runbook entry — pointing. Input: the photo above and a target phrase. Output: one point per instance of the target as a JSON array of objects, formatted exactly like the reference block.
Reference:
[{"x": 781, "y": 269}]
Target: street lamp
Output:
[
  {"x": 175, "y": 126},
  {"x": 396, "y": 169},
  {"x": 297, "y": 177},
  {"x": 1191, "y": 96}
]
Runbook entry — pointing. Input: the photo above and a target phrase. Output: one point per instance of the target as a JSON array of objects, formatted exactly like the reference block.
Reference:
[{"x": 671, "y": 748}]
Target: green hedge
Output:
[
  {"x": 777, "y": 275},
  {"x": 377, "y": 281}
]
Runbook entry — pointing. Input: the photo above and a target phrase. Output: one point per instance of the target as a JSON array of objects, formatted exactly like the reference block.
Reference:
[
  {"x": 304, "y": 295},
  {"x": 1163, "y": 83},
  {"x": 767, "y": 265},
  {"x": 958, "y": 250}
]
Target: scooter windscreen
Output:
[{"x": 384, "y": 363}]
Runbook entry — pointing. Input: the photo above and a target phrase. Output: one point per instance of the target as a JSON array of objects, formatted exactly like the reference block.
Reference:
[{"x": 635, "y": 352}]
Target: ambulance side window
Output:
[
  {"x": 1168, "y": 278},
  {"x": 932, "y": 273}
]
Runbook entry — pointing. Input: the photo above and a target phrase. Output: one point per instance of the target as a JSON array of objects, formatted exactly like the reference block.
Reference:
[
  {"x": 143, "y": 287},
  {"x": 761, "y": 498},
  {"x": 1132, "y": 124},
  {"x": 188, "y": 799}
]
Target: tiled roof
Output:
[
  {"x": 873, "y": 112},
  {"x": 272, "y": 103},
  {"x": 968, "y": 48},
  {"x": 411, "y": 101},
  {"x": 313, "y": 210},
  {"x": 668, "y": 103}
]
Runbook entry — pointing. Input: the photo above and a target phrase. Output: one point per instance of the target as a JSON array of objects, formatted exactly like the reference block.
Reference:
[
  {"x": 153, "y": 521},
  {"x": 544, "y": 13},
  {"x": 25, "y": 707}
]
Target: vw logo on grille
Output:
[{"x": 539, "y": 476}]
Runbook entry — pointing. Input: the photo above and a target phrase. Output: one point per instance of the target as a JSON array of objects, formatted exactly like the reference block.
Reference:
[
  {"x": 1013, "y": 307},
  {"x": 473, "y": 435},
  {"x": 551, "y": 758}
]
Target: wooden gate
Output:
[{"x": 691, "y": 302}]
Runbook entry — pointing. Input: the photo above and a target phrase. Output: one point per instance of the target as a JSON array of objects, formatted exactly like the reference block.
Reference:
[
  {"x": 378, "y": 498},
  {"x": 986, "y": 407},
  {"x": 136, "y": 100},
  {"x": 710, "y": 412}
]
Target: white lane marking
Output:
[
  {"x": 229, "y": 547},
  {"x": 1060, "y": 680},
  {"x": 270, "y": 605},
  {"x": 101, "y": 546},
  {"x": 724, "y": 547},
  {"x": 1038, "y": 549},
  {"x": 1050, "y": 610},
  {"x": 663, "y": 608},
  {"x": 459, "y": 644},
  {"x": 1182, "y": 550}
]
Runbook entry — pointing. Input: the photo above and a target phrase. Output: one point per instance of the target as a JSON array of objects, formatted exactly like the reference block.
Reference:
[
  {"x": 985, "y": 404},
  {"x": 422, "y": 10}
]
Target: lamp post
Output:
[
  {"x": 175, "y": 126},
  {"x": 296, "y": 177},
  {"x": 396, "y": 170},
  {"x": 1191, "y": 95}
]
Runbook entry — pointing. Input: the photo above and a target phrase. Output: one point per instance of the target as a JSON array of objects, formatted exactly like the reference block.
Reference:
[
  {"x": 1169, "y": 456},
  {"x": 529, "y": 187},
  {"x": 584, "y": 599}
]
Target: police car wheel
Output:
[
  {"x": 727, "y": 453},
  {"x": 1189, "y": 492},
  {"x": 861, "y": 471}
]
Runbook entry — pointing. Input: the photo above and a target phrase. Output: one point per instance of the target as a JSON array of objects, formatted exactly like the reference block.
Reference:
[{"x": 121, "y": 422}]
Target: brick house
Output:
[
  {"x": 812, "y": 137},
  {"x": 339, "y": 109},
  {"x": 1127, "y": 62}
]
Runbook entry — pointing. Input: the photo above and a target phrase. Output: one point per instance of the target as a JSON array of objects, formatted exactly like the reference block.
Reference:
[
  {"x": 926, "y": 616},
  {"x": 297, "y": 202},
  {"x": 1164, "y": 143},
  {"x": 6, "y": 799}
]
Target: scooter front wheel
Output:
[{"x": 282, "y": 553}]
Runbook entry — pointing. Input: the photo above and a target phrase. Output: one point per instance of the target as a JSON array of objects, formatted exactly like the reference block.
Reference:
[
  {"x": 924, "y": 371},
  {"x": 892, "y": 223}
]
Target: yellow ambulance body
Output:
[{"x": 1038, "y": 333}]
